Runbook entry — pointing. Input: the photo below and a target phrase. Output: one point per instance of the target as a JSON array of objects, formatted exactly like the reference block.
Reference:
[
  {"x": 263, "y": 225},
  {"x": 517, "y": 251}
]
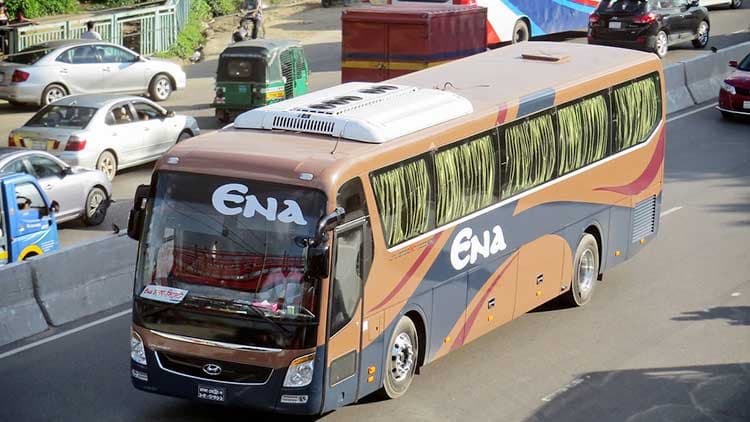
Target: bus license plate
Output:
[
  {"x": 209, "y": 392},
  {"x": 615, "y": 25},
  {"x": 746, "y": 104}
]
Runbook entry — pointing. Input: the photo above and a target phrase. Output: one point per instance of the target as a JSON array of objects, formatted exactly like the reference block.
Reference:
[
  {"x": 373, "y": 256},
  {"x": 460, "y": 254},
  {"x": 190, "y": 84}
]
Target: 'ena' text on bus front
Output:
[
  {"x": 235, "y": 193},
  {"x": 467, "y": 247}
]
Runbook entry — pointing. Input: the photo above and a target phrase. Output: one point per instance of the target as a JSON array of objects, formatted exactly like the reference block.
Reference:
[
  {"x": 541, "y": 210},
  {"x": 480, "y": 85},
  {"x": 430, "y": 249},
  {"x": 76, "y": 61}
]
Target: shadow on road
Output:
[
  {"x": 710, "y": 393},
  {"x": 201, "y": 412},
  {"x": 8, "y": 109},
  {"x": 734, "y": 315}
]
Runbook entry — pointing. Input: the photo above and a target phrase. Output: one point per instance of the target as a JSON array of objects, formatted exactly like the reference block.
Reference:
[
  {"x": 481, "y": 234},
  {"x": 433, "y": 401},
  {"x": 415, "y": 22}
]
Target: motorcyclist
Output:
[{"x": 254, "y": 12}]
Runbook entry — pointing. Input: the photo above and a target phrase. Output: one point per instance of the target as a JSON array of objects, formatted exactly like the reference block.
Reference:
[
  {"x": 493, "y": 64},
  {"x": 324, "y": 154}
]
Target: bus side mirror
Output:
[
  {"x": 316, "y": 261},
  {"x": 328, "y": 223},
  {"x": 135, "y": 218}
]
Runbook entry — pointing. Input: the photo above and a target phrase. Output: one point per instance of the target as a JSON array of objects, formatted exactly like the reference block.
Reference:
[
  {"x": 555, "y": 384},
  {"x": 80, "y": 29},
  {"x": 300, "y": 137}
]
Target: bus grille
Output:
[
  {"x": 303, "y": 125},
  {"x": 230, "y": 371},
  {"x": 644, "y": 218},
  {"x": 286, "y": 72}
]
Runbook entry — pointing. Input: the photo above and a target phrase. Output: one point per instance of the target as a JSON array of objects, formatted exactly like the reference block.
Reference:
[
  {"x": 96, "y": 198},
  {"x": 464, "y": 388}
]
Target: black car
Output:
[{"x": 650, "y": 25}]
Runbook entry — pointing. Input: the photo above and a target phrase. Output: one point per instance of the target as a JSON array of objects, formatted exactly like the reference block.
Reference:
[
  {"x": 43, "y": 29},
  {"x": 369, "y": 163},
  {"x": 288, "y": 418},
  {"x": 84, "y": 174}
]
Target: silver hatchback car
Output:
[
  {"x": 105, "y": 132},
  {"x": 79, "y": 192},
  {"x": 46, "y": 72}
]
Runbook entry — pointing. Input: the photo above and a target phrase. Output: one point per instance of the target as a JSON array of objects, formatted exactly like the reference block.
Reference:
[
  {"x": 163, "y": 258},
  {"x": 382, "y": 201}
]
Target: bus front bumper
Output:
[{"x": 269, "y": 396}]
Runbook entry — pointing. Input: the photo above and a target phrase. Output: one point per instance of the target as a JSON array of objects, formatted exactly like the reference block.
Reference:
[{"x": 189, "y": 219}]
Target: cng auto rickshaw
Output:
[{"x": 255, "y": 73}]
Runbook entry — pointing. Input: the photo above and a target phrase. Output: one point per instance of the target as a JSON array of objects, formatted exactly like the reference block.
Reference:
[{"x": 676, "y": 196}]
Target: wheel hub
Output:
[
  {"x": 586, "y": 270},
  {"x": 402, "y": 357}
]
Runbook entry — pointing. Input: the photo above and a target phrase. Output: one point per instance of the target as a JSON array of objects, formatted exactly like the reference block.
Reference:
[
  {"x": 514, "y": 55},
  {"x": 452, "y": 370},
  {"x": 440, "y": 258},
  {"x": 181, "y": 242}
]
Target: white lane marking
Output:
[
  {"x": 63, "y": 334},
  {"x": 736, "y": 294},
  {"x": 669, "y": 211},
  {"x": 697, "y": 110}
]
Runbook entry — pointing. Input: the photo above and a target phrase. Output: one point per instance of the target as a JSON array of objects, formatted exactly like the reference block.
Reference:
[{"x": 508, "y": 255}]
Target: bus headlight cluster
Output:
[
  {"x": 137, "y": 351},
  {"x": 300, "y": 371}
]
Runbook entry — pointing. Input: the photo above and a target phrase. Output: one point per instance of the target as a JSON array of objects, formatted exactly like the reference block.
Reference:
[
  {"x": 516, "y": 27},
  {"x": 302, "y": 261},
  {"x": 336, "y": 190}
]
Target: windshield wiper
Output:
[{"x": 231, "y": 306}]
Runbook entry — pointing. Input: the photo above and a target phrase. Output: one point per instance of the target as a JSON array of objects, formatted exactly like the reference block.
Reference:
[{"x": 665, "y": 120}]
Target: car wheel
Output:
[
  {"x": 160, "y": 87},
  {"x": 520, "y": 32},
  {"x": 736, "y": 4},
  {"x": 96, "y": 207},
  {"x": 52, "y": 93},
  {"x": 701, "y": 38},
  {"x": 585, "y": 271},
  {"x": 184, "y": 135},
  {"x": 661, "y": 45},
  {"x": 107, "y": 164},
  {"x": 402, "y": 359}
]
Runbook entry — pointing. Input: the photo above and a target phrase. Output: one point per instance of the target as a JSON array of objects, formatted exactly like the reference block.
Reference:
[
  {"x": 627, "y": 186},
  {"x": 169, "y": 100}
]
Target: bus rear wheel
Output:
[
  {"x": 402, "y": 359},
  {"x": 585, "y": 271},
  {"x": 520, "y": 32}
]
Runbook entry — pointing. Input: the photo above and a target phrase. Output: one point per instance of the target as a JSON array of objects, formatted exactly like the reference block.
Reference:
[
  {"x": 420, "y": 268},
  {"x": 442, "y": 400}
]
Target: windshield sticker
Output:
[
  {"x": 235, "y": 193},
  {"x": 467, "y": 247},
  {"x": 163, "y": 293}
]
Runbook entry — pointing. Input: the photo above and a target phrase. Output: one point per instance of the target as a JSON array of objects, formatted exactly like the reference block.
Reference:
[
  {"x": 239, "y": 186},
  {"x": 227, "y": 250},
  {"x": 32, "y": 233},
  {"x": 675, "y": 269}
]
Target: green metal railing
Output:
[{"x": 146, "y": 30}]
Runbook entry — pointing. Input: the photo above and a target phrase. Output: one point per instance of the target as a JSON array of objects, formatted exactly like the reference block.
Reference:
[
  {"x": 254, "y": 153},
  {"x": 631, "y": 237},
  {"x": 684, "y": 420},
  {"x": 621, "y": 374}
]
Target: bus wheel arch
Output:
[
  {"x": 595, "y": 231},
  {"x": 419, "y": 322}
]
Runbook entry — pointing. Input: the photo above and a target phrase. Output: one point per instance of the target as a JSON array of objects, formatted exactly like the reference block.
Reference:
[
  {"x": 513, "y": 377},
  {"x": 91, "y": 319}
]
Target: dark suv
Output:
[{"x": 651, "y": 25}]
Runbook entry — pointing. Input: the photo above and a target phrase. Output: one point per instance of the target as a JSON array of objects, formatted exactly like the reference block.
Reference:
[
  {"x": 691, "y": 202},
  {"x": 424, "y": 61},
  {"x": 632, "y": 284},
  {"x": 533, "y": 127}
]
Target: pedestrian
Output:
[
  {"x": 21, "y": 19},
  {"x": 3, "y": 32},
  {"x": 90, "y": 34},
  {"x": 3, "y": 14}
]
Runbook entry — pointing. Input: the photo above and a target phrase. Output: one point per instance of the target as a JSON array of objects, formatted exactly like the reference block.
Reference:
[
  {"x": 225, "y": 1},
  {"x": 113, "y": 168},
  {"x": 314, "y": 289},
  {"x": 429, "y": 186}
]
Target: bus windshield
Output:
[{"x": 229, "y": 247}]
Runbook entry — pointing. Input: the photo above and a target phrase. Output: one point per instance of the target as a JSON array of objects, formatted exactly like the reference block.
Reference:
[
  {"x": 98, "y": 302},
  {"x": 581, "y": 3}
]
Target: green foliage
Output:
[
  {"x": 224, "y": 7},
  {"x": 636, "y": 110},
  {"x": 191, "y": 35},
  {"x": 37, "y": 8},
  {"x": 583, "y": 133},
  {"x": 120, "y": 3},
  {"x": 403, "y": 194},
  {"x": 465, "y": 179},
  {"x": 530, "y": 154}
]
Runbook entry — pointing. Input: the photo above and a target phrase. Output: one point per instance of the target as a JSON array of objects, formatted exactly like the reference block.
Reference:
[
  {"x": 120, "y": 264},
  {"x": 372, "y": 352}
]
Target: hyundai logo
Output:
[{"x": 212, "y": 369}]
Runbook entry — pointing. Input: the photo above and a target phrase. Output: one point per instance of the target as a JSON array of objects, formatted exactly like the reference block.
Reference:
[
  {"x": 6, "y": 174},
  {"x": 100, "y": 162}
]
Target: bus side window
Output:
[
  {"x": 528, "y": 153},
  {"x": 351, "y": 197},
  {"x": 636, "y": 110}
]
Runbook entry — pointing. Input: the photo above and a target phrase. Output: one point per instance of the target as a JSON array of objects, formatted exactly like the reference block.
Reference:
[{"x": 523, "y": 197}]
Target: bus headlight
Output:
[
  {"x": 300, "y": 371},
  {"x": 137, "y": 351}
]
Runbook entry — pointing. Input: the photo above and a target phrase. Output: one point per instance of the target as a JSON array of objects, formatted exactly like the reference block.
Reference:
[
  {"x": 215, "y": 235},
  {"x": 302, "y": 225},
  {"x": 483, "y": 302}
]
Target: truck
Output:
[
  {"x": 382, "y": 42},
  {"x": 27, "y": 219}
]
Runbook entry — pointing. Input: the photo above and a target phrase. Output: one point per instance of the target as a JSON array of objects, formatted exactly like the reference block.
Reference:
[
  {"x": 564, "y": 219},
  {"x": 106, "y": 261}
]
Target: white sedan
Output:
[
  {"x": 734, "y": 4},
  {"x": 105, "y": 132},
  {"x": 46, "y": 72}
]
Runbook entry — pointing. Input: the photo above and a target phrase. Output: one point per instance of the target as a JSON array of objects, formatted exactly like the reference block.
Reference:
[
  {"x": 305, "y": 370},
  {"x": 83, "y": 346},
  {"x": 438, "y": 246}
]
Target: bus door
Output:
[
  {"x": 31, "y": 226},
  {"x": 3, "y": 232},
  {"x": 345, "y": 315}
]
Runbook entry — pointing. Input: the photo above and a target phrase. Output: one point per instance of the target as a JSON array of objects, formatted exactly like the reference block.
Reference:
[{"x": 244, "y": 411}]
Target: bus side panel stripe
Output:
[
  {"x": 474, "y": 312},
  {"x": 537, "y": 101},
  {"x": 409, "y": 273},
  {"x": 646, "y": 177}
]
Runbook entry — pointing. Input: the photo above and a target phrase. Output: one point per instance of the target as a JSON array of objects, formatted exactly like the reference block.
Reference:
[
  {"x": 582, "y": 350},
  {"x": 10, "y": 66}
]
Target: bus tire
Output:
[
  {"x": 520, "y": 31},
  {"x": 401, "y": 360},
  {"x": 585, "y": 271}
]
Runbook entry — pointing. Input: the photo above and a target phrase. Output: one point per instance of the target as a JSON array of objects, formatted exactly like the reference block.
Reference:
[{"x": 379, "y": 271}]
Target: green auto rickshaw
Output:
[{"x": 257, "y": 72}]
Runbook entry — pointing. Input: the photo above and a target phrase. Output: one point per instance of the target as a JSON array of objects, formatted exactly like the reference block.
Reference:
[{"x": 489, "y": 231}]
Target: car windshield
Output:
[
  {"x": 745, "y": 64},
  {"x": 72, "y": 117},
  {"x": 623, "y": 6},
  {"x": 28, "y": 56},
  {"x": 244, "y": 69}
]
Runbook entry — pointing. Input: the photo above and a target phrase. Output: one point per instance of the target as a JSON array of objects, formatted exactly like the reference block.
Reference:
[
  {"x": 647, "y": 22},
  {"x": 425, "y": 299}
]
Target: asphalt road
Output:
[
  {"x": 729, "y": 27},
  {"x": 665, "y": 338}
]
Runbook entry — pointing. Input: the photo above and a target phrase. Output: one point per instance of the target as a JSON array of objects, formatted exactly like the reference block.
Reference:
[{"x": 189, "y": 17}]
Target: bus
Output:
[
  {"x": 325, "y": 247},
  {"x": 512, "y": 21}
]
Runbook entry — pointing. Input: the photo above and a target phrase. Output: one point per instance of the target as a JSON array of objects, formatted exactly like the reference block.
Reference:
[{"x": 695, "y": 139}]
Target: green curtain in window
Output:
[
  {"x": 529, "y": 154},
  {"x": 465, "y": 179},
  {"x": 636, "y": 108},
  {"x": 584, "y": 131},
  {"x": 403, "y": 194}
]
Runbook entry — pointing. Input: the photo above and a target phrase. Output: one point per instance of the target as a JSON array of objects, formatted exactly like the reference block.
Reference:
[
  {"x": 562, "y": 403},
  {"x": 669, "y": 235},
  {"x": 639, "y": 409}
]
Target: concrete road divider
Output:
[
  {"x": 703, "y": 75},
  {"x": 678, "y": 96},
  {"x": 20, "y": 315},
  {"x": 83, "y": 280}
]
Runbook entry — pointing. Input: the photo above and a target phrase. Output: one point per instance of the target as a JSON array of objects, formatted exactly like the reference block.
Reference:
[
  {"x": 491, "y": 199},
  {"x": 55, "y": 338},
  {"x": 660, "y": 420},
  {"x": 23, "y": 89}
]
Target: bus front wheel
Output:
[
  {"x": 520, "y": 32},
  {"x": 402, "y": 359},
  {"x": 585, "y": 271}
]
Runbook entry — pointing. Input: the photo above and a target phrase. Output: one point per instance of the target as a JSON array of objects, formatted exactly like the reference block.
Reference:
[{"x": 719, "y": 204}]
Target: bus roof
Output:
[{"x": 489, "y": 81}]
